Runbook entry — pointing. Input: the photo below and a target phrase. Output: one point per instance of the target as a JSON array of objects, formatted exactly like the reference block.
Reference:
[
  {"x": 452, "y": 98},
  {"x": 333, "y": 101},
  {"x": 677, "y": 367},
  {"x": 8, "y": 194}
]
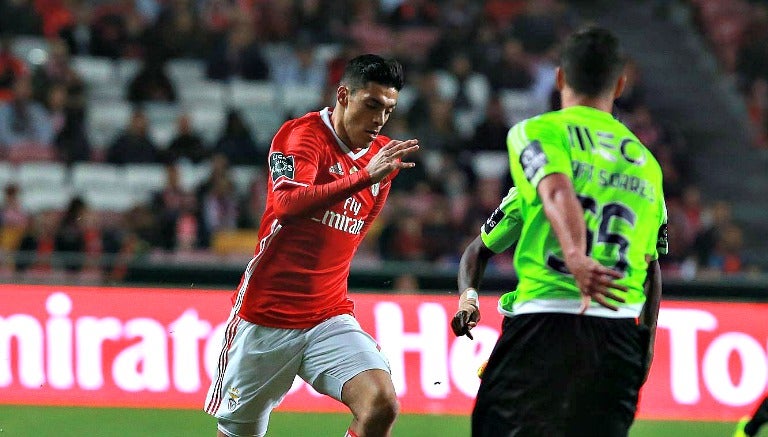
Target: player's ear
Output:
[
  {"x": 620, "y": 83},
  {"x": 559, "y": 79},
  {"x": 342, "y": 95}
]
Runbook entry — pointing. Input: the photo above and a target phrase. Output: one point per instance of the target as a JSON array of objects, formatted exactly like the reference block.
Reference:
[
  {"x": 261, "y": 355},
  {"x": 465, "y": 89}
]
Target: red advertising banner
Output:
[{"x": 131, "y": 347}]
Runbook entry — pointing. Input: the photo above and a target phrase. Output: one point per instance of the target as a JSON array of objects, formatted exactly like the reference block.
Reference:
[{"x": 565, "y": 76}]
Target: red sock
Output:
[{"x": 350, "y": 433}]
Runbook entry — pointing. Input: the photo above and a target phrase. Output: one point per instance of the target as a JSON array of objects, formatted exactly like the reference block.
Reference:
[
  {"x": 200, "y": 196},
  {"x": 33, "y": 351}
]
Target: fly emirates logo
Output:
[{"x": 347, "y": 220}]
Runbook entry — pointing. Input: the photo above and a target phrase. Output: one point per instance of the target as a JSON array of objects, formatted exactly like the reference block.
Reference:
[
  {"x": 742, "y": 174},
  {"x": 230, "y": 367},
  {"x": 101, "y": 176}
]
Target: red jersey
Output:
[{"x": 320, "y": 204}]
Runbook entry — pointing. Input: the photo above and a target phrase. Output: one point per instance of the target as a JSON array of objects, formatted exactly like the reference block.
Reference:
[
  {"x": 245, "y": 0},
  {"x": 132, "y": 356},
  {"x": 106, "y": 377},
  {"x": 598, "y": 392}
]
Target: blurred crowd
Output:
[
  {"x": 473, "y": 69},
  {"x": 738, "y": 33}
]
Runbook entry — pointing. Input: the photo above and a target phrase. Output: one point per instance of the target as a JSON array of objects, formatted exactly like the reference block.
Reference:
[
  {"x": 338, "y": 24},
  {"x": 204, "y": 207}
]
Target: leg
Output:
[
  {"x": 256, "y": 369},
  {"x": 758, "y": 419},
  {"x": 345, "y": 363},
  {"x": 371, "y": 397},
  {"x": 607, "y": 377},
  {"x": 522, "y": 388}
]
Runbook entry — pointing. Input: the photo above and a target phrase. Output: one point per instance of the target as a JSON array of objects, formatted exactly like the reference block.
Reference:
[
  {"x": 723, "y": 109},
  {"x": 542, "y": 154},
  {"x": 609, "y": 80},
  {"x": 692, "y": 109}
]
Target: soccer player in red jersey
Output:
[{"x": 330, "y": 174}]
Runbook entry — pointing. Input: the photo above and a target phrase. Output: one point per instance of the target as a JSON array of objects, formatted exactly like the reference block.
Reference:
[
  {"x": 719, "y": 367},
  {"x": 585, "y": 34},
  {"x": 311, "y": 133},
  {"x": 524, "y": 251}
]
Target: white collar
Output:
[{"x": 325, "y": 115}]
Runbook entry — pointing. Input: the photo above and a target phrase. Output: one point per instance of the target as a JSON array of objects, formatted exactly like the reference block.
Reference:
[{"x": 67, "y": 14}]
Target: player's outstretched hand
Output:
[
  {"x": 390, "y": 157},
  {"x": 466, "y": 317},
  {"x": 595, "y": 281}
]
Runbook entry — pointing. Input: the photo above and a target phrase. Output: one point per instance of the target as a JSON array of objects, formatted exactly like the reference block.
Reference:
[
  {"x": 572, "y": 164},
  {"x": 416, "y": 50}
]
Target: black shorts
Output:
[{"x": 563, "y": 375}]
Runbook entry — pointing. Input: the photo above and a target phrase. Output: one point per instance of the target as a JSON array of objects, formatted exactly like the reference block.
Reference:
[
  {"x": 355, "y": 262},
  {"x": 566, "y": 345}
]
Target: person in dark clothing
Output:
[
  {"x": 187, "y": 144},
  {"x": 236, "y": 143},
  {"x": 237, "y": 54},
  {"x": 134, "y": 145},
  {"x": 151, "y": 84},
  {"x": 70, "y": 237}
]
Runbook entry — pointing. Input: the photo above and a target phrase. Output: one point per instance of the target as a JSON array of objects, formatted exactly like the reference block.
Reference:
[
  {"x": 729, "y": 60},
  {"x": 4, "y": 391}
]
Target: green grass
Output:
[{"x": 23, "y": 421}]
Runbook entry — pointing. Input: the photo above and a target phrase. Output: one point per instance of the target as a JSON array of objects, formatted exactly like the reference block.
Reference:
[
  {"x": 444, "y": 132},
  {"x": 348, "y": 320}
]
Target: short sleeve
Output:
[
  {"x": 537, "y": 149},
  {"x": 503, "y": 227}
]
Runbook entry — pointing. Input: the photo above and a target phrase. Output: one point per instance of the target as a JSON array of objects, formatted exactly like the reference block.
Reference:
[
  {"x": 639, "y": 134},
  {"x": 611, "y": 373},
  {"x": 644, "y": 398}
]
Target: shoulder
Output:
[
  {"x": 534, "y": 127},
  {"x": 306, "y": 130}
]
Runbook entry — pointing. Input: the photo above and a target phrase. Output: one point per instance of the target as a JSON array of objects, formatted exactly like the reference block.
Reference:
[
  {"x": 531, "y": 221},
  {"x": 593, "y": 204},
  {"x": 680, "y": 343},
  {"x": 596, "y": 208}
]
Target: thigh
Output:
[
  {"x": 521, "y": 391},
  {"x": 605, "y": 404},
  {"x": 256, "y": 369},
  {"x": 337, "y": 351}
]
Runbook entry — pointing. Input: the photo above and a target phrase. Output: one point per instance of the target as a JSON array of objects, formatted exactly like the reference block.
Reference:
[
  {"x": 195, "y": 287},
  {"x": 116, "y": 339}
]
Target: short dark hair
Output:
[
  {"x": 592, "y": 60},
  {"x": 373, "y": 68}
]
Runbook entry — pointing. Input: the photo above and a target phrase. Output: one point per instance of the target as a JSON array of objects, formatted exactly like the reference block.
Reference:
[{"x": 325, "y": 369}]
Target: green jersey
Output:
[
  {"x": 500, "y": 232},
  {"x": 619, "y": 185}
]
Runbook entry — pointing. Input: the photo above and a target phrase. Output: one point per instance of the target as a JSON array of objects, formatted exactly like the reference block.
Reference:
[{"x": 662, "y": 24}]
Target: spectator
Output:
[
  {"x": 167, "y": 206},
  {"x": 116, "y": 29},
  {"x": 726, "y": 258},
  {"x": 513, "y": 69},
  {"x": 24, "y": 122},
  {"x": 151, "y": 84},
  {"x": 70, "y": 140},
  {"x": 133, "y": 146},
  {"x": 177, "y": 33},
  {"x": 237, "y": 54},
  {"x": 236, "y": 143},
  {"x": 301, "y": 67},
  {"x": 491, "y": 133},
  {"x": 12, "y": 214},
  {"x": 412, "y": 13},
  {"x": 57, "y": 70},
  {"x": 70, "y": 239},
  {"x": 402, "y": 240},
  {"x": 141, "y": 228},
  {"x": 633, "y": 96},
  {"x": 219, "y": 208},
  {"x": 18, "y": 17},
  {"x": 37, "y": 244},
  {"x": 714, "y": 222},
  {"x": 187, "y": 145},
  {"x": 11, "y": 68}
]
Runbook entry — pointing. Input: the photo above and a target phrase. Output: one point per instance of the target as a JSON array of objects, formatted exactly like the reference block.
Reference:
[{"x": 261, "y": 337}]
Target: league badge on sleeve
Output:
[
  {"x": 281, "y": 166},
  {"x": 533, "y": 159}
]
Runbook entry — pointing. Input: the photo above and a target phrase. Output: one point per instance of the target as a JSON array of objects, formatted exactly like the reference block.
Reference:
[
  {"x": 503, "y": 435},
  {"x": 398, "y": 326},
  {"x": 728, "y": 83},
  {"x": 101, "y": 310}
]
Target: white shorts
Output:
[{"x": 258, "y": 364}]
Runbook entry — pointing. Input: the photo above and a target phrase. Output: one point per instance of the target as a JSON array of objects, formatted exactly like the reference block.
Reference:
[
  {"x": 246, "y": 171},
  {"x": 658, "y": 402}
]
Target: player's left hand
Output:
[{"x": 466, "y": 317}]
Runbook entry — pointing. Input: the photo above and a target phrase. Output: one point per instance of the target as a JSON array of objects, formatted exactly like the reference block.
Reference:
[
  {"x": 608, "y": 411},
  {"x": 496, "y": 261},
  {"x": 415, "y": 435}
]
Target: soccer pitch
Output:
[{"x": 121, "y": 422}]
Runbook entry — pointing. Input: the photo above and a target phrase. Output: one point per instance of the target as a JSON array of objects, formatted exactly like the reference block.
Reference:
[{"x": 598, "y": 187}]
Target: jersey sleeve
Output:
[
  {"x": 293, "y": 165},
  {"x": 661, "y": 243},
  {"x": 537, "y": 149},
  {"x": 294, "y": 159},
  {"x": 503, "y": 227}
]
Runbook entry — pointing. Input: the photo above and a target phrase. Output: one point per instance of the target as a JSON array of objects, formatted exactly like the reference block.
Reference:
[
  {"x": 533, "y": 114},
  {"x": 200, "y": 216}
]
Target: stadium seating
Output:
[
  {"x": 43, "y": 175},
  {"x": 144, "y": 178}
]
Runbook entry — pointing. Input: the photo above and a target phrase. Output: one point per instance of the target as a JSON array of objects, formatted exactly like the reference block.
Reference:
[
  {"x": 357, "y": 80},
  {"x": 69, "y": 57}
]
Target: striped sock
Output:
[{"x": 350, "y": 433}]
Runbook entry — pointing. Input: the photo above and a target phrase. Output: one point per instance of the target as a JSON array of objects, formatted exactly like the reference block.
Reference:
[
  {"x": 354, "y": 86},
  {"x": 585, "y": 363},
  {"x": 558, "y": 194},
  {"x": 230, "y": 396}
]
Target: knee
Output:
[{"x": 382, "y": 407}]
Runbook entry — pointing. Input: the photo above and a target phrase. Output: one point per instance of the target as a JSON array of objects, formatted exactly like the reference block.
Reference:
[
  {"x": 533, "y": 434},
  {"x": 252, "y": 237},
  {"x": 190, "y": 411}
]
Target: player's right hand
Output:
[
  {"x": 389, "y": 158},
  {"x": 596, "y": 282},
  {"x": 465, "y": 318}
]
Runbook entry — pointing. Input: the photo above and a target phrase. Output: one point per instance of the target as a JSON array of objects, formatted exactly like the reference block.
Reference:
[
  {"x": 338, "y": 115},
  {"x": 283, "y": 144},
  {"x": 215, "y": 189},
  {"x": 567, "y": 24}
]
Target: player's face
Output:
[{"x": 366, "y": 111}]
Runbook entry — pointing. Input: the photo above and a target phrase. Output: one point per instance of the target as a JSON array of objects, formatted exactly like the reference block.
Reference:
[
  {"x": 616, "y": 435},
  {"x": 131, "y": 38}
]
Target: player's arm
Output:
[
  {"x": 650, "y": 314},
  {"x": 300, "y": 200},
  {"x": 296, "y": 198},
  {"x": 566, "y": 216},
  {"x": 499, "y": 232},
  {"x": 471, "y": 268}
]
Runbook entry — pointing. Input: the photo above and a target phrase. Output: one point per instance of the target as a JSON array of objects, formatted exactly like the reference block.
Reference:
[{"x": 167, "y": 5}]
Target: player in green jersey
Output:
[{"x": 572, "y": 357}]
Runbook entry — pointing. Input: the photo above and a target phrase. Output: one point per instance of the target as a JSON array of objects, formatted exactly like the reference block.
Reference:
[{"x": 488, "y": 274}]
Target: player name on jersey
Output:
[{"x": 619, "y": 180}]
